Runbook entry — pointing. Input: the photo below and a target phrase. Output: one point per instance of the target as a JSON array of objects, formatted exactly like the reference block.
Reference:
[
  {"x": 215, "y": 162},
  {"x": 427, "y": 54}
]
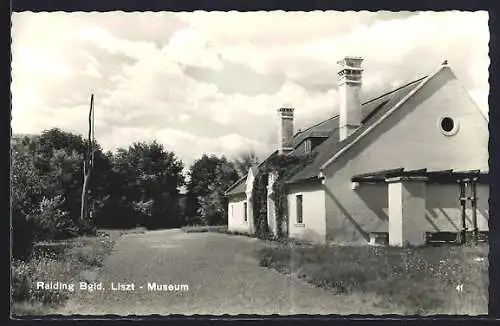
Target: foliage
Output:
[
  {"x": 259, "y": 202},
  {"x": 26, "y": 186},
  {"x": 416, "y": 280},
  {"x": 135, "y": 186},
  {"x": 283, "y": 167},
  {"x": 205, "y": 228},
  {"x": 60, "y": 261},
  {"x": 26, "y": 192},
  {"x": 58, "y": 158},
  {"x": 245, "y": 161},
  {"x": 51, "y": 222},
  {"x": 209, "y": 177},
  {"x": 146, "y": 180},
  {"x": 25, "y": 274},
  {"x": 46, "y": 182}
]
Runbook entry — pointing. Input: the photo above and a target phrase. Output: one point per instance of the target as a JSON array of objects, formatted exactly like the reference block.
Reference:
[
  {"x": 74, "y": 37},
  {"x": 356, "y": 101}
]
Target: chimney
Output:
[
  {"x": 349, "y": 81},
  {"x": 285, "y": 128}
]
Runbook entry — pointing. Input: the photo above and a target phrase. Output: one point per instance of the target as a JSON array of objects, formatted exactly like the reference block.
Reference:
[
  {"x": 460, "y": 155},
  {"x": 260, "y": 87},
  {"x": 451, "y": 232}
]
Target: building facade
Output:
[{"x": 393, "y": 165}]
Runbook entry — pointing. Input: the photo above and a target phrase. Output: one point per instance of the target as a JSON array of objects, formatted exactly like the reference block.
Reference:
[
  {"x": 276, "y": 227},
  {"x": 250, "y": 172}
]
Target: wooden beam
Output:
[{"x": 378, "y": 173}]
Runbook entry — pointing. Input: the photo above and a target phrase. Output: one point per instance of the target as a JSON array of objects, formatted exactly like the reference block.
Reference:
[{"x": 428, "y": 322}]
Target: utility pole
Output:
[{"x": 88, "y": 162}]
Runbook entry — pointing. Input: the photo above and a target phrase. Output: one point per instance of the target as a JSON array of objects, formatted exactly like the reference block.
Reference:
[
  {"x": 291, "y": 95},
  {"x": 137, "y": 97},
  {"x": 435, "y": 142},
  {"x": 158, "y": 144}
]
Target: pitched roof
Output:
[
  {"x": 321, "y": 129},
  {"x": 373, "y": 112},
  {"x": 329, "y": 128},
  {"x": 240, "y": 186}
]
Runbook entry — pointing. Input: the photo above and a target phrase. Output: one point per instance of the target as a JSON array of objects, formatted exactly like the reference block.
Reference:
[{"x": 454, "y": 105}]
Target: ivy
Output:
[
  {"x": 259, "y": 201},
  {"x": 283, "y": 166}
]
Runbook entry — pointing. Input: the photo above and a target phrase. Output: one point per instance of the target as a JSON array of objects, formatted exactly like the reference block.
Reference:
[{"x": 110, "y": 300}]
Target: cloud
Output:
[
  {"x": 36, "y": 62},
  {"x": 92, "y": 71},
  {"x": 183, "y": 117},
  {"x": 190, "y": 47},
  {"x": 211, "y": 82}
]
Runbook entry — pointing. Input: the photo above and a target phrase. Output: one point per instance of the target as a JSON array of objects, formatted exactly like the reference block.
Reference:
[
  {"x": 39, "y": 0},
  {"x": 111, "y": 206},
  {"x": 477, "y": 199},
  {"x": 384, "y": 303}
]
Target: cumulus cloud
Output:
[{"x": 211, "y": 82}]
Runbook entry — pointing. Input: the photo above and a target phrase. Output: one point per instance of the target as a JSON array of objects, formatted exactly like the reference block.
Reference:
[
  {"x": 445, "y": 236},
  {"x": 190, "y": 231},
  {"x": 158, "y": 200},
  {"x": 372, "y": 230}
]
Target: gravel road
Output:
[{"x": 220, "y": 270}]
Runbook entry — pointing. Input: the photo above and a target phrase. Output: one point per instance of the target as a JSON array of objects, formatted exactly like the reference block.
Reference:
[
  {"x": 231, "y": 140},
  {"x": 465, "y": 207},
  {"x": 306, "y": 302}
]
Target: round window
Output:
[{"x": 448, "y": 126}]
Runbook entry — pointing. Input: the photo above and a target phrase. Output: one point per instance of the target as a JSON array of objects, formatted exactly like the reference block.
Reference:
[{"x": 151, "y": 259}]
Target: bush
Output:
[
  {"x": 205, "y": 228},
  {"x": 25, "y": 274},
  {"x": 419, "y": 280},
  {"x": 20, "y": 276},
  {"x": 23, "y": 235},
  {"x": 51, "y": 222},
  {"x": 57, "y": 261},
  {"x": 116, "y": 213}
]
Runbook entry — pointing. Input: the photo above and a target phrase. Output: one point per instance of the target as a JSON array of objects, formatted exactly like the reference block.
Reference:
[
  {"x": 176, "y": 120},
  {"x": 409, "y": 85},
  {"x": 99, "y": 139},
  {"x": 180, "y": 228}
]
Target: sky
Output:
[{"x": 211, "y": 82}]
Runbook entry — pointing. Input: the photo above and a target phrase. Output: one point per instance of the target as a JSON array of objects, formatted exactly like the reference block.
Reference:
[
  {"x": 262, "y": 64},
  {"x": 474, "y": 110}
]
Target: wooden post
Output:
[
  {"x": 475, "y": 231},
  {"x": 88, "y": 163},
  {"x": 463, "y": 201}
]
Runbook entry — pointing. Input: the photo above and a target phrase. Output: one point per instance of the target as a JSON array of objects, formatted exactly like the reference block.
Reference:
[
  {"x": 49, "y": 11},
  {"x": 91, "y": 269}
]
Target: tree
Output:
[
  {"x": 149, "y": 178},
  {"x": 26, "y": 192},
  {"x": 245, "y": 161},
  {"x": 209, "y": 177},
  {"x": 57, "y": 157},
  {"x": 201, "y": 174}
]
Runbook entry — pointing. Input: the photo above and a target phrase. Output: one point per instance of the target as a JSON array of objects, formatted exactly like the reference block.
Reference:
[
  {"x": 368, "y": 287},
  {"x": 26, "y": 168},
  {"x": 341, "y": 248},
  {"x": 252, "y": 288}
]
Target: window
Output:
[
  {"x": 245, "y": 211},
  {"x": 307, "y": 145},
  {"x": 232, "y": 210},
  {"x": 300, "y": 219},
  {"x": 448, "y": 125}
]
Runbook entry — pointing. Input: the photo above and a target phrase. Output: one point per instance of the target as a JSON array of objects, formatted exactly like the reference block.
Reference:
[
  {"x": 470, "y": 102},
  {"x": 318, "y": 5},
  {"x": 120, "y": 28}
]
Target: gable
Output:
[
  {"x": 241, "y": 185},
  {"x": 380, "y": 110},
  {"x": 250, "y": 178},
  {"x": 413, "y": 137}
]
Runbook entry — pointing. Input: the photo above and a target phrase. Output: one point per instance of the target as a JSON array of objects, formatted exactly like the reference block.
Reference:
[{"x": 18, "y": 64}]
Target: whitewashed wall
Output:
[{"x": 313, "y": 227}]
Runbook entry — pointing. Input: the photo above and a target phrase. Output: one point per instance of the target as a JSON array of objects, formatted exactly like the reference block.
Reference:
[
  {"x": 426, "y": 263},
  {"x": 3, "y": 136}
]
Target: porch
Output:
[{"x": 411, "y": 194}]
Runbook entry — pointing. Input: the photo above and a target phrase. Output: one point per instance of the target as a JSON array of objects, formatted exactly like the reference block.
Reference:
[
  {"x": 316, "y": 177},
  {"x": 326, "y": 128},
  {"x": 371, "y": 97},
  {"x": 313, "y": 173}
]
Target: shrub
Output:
[
  {"x": 25, "y": 274},
  {"x": 23, "y": 234},
  {"x": 51, "y": 222},
  {"x": 20, "y": 280},
  {"x": 116, "y": 213},
  {"x": 205, "y": 228},
  {"x": 419, "y": 280}
]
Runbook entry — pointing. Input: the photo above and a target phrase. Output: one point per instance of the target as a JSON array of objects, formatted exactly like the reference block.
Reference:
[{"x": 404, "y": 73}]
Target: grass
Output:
[
  {"x": 62, "y": 261},
  {"x": 413, "y": 281}
]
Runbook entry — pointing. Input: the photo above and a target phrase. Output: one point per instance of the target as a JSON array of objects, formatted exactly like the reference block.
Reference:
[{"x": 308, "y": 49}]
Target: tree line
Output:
[{"x": 138, "y": 186}]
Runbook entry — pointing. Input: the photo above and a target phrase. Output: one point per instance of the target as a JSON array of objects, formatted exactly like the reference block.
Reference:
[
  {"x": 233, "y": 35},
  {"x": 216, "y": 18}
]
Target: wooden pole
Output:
[
  {"x": 474, "y": 210},
  {"x": 462, "y": 203},
  {"x": 87, "y": 164},
  {"x": 93, "y": 130}
]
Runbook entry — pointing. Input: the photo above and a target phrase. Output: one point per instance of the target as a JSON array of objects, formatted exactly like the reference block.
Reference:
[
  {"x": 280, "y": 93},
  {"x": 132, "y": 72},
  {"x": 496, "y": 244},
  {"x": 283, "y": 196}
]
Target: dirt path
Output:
[{"x": 222, "y": 274}]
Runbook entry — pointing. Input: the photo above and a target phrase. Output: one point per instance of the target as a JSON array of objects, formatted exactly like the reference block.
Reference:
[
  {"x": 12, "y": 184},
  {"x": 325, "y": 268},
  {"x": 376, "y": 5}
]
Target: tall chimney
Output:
[
  {"x": 285, "y": 128},
  {"x": 349, "y": 81}
]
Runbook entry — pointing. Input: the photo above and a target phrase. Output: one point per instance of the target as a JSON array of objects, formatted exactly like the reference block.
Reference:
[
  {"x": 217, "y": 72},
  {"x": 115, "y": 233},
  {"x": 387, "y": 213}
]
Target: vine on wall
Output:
[
  {"x": 259, "y": 201},
  {"x": 283, "y": 166}
]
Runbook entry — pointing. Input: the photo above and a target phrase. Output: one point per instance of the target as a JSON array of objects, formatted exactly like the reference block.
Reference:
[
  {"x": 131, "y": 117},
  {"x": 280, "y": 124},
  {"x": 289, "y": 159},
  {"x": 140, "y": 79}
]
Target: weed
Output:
[{"x": 422, "y": 280}]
